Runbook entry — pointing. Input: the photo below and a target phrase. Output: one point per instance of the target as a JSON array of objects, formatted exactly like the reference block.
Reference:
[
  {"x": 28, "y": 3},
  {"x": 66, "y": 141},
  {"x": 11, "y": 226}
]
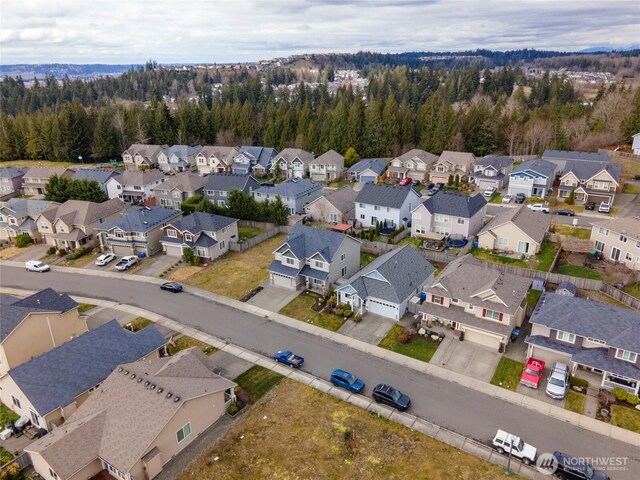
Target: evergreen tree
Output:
[
  {"x": 105, "y": 143},
  {"x": 74, "y": 132},
  {"x": 351, "y": 157}
]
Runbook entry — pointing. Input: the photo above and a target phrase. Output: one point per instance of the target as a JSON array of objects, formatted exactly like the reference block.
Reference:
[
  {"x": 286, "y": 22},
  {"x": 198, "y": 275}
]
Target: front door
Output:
[{"x": 374, "y": 220}]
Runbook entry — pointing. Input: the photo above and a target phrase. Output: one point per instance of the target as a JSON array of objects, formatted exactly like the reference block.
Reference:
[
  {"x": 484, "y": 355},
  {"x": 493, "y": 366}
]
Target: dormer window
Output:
[
  {"x": 188, "y": 237},
  {"x": 626, "y": 355}
]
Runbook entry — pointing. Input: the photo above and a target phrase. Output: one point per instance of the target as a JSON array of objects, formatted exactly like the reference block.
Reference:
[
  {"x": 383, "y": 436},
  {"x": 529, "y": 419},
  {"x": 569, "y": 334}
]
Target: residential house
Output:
[
  {"x": 178, "y": 158},
  {"x": 137, "y": 186},
  {"x": 141, "y": 417},
  {"x": 206, "y": 234},
  {"x": 599, "y": 337},
  {"x": 49, "y": 388},
  {"x": 11, "y": 179},
  {"x": 296, "y": 194},
  {"x": 590, "y": 181},
  {"x": 177, "y": 188},
  {"x": 560, "y": 158},
  {"x": 253, "y": 160},
  {"x": 618, "y": 239},
  {"x": 390, "y": 205},
  {"x": 515, "y": 230},
  {"x": 215, "y": 159},
  {"x": 18, "y": 216},
  {"x": 327, "y": 167},
  {"x": 140, "y": 157},
  {"x": 385, "y": 286},
  {"x": 107, "y": 179},
  {"x": 293, "y": 163},
  {"x": 336, "y": 206},
  {"x": 533, "y": 178},
  {"x": 452, "y": 164},
  {"x": 36, "y": 324},
  {"x": 491, "y": 171},
  {"x": 314, "y": 258},
  {"x": 367, "y": 170},
  {"x": 71, "y": 225},
  {"x": 636, "y": 144},
  {"x": 137, "y": 230},
  {"x": 413, "y": 164},
  {"x": 483, "y": 303},
  {"x": 217, "y": 187},
  {"x": 36, "y": 178},
  {"x": 449, "y": 213}
]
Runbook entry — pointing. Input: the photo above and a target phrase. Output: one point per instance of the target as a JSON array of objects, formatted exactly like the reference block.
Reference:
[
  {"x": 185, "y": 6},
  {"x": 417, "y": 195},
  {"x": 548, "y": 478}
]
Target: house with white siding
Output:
[
  {"x": 136, "y": 186},
  {"x": 636, "y": 144},
  {"x": 256, "y": 161},
  {"x": 449, "y": 213},
  {"x": 390, "y": 205},
  {"x": 533, "y": 178},
  {"x": 105, "y": 178},
  {"x": 140, "y": 156},
  {"x": 618, "y": 239},
  {"x": 293, "y": 163},
  {"x": 178, "y": 158},
  {"x": 215, "y": 159}
]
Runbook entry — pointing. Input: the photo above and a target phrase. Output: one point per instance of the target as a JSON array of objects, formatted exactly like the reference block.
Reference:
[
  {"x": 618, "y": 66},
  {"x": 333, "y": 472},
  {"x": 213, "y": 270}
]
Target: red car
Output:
[
  {"x": 405, "y": 181},
  {"x": 532, "y": 373}
]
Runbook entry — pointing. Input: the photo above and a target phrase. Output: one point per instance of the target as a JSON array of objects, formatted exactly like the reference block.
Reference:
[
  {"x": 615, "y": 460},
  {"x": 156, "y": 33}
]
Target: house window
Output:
[
  {"x": 376, "y": 207},
  {"x": 628, "y": 257},
  {"x": 566, "y": 337},
  {"x": 222, "y": 245},
  {"x": 137, "y": 187},
  {"x": 503, "y": 241},
  {"x": 334, "y": 218},
  {"x": 493, "y": 315},
  {"x": 523, "y": 247},
  {"x": 442, "y": 218},
  {"x": 470, "y": 307},
  {"x": 460, "y": 221},
  {"x": 184, "y": 432},
  {"x": 603, "y": 231},
  {"x": 343, "y": 272},
  {"x": 187, "y": 237},
  {"x": 623, "y": 239},
  {"x": 638, "y": 244},
  {"x": 16, "y": 402},
  {"x": 119, "y": 234},
  {"x": 52, "y": 474},
  {"x": 595, "y": 340},
  {"x": 626, "y": 355},
  {"x": 417, "y": 216},
  {"x": 289, "y": 261},
  {"x": 436, "y": 299},
  {"x": 440, "y": 169},
  {"x": 421, "y": 229},
  {"x": 170, "y": 233},
  {"x": 599, "y": 246},
  {"x": 601, "y": 186},
  {"x": 342, "y": 257},
  {"x": 615, "y": 254},
  {"x": 201, "y": 252},
  {"x": 222, "y": 203},
  {"x": 362, "y": 217},
  {"x": 361, "y": 205},
  {"x": 318, "y": 264},
  {"x": 442, "y": 230}
]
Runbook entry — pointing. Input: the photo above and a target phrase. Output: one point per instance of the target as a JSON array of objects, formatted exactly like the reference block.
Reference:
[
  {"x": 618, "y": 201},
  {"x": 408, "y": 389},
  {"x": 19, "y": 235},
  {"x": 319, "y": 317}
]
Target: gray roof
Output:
[
  {"x": 304, "y": 242},
  {"x": 227, "y": 182},
  {"x": 290, "y": 153},
  {"x": 403, "y": 271},
  {"x": 328, "y": 158},
  {"x": 293, "y": 187},
  {"x": 586, "y": 170},
  {"x": 541, "y": 167},
  {"x": 457, "y": 158},
  {"x": 56, "y": 377},
  {"x": 385, "y": 195},
  {"x": 375, "y": 164},
  {"x": 46, "y": 172},
  {"x": 262, "y": 155},
  {"x": 14, "y": 310},
  {"x": 579, "y": 156},
  {"x": 497, "y": 161},
  {"x": 12, "y": 172},
  {"x": 278, "y": 267},
  {"x": 220, "y": 152},
  {"x": 182, "y": 151},
  {"x": 455, "y": 204},
  {"x": 343, "y": 198},
  {"x": 141, "y": 219},
  {"x": 182, "y": 181},
  {"x": 202, "y": 222},
  {"x": 82, "y": 212},
  {"x": 139, "y": 177},
  {"x": 619, "y": 327},
  {"x": 568, "y": 286},
  {"x": 629, "y": 225},
  {"x": 426, "y": 157},
  {"x": 24, "y": 207},
  {"x": 531, "y": 223},
  {"x": 99, "y": 175}
]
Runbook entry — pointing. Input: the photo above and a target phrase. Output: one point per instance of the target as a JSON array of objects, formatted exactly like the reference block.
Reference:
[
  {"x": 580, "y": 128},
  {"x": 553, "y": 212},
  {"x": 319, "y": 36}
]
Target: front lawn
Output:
[
  {"x": 245, "y": 233},
  {"x": 625, "y": 417},
  {"x": 5, "y": 456},
  {"x": 366, "y": 258},
  {"x": 575, "y": 402},
  {"x": 300, "y": 309},
  {"x": 183, "y": 342},
  {"x": 138, "y": 324},
  {"x": 418, "y": 348},
  {"x": 257, "y": 381},
  {"x": 630, "y": 188},
  {"x": 533, "y": 296},
  {"x": 575, "y": 232},
  {"x": 633, "y": 290},
  {"x": 579, "y": 271},
  {"x": 496, "y": 198},
  {"x": 507, "y": 374},
  {"x": 85, "y": 307}
]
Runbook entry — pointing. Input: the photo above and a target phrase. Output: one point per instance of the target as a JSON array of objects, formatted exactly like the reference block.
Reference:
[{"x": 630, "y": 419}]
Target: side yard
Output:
[
  {"x": 301, "y": 308},
  {"x": 542, "y": 261}
]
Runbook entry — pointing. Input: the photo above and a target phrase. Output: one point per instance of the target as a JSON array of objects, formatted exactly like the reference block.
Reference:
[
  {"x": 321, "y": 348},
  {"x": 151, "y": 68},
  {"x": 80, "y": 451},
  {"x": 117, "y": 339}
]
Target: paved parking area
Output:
[
  {"x": 230, "y": 365},
  {"x": 272, "y": 298},
  {"x": 466, "y": 358},
  {"x": 155, "y": 265},
  {"x": 538, "y": 393},
  {"x": 32, "y": 253},
  {"x": 371, "y": 329}
]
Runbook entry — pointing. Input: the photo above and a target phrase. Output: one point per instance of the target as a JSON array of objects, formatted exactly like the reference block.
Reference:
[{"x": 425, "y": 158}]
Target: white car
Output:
[
  {"x": 102, "y": 260},
  {"x": 505, "y": 442},
  {"x": 126, "y": 263},
  {"x": 507, "y": 198},
  {"x": 605, "y": 207},
  {"x": 489, "y": 191},
  {"x": 36, "y": 266},
  {"x": 538, "y": 207}
]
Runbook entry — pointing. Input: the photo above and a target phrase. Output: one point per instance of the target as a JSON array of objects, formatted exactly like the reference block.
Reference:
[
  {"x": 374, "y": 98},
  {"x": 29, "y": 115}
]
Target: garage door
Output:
[
  {"x": 550, "y": 356},
  {"x": 513, "y": 191},
  {"x": 367, "y": 179},
  {"x": 484, "y": 184},
  {"x": 121, "y": 250},
  {"x": 318, "y": 177},
  {"x": 174, "y": 250},
  {"x": 282, "y": 281},
  {"x": 482, "y": 338},
  {"x": 385, "y": 309}
]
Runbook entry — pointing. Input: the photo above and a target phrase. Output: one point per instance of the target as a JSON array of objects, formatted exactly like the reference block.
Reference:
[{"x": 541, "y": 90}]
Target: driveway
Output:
[
  {"x": 538, "y": 393},
  {"x": 630, "y": 208},
  {"x": 34, "y": 252},
  {"x": 229, "y": 365},
  {"x": 154, "y": 266},
  {"x": 371, "y": 329},
  {"x": 466, "y": 358},
  {"x": 272, "y": 298}
]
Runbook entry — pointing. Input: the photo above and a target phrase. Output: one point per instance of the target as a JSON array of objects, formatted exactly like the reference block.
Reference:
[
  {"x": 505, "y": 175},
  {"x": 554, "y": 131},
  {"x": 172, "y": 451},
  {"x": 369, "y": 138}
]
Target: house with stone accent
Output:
[
  {"x": 140, "y": 156},
  {"x": 327, "y": 167},
  {"x": 590, "y": 181},
  {"x": 215, "y": 159},
  {"x": 560, "y": 158},
  {"x": 414, "y": 164},
  {"x": 452, "y": 164},
  {"x": 178, "y": 188},
  {"x": 293, "y": 163}
]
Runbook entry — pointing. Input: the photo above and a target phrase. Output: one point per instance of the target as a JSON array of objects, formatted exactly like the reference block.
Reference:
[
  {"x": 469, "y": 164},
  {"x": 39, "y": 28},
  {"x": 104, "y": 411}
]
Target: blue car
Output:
[
  {"x": 343, "y": 379},
  {"x": 287, "y": 357}
]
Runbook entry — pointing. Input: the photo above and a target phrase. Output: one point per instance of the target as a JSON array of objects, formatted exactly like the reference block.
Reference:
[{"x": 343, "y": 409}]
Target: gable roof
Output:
[
  {"x": 140, "y": 219},
  {"x": 586, "y": 170},
  {"x": 455, "y": 204},
  {"x": 375, "y": 164},
  {"x": 385, "y": 195},
  {"x": 56, "y": 377},
  {"x": 12, "y": 172},
  {"x": 262, "y": 155},
  {"x": 426, "y": 157},
  {"x": 496, "y": 161},
  {"x": 328, "y": 158},
  {"x": 221, "y": 152},
  {"x": 404, "y": 271},
  {"x": 342, "y": 199},
  {"x": 291, "y": 188},
  {"x": 531, "y": 223},
  {"x": 182, "y": 151},
  {"x": 183, "y": 181},
  {"x": 630, "y": 226},
  {"x": 145, "y": 150},
  {"x": 45, "y": 172},
  {"x": 97, "y": 174},
  {"x": 25, "y": 207},
  {"x": 200, "y": 222},
  {"x": 457, "y": 158},
  {"x": 120, "y": 420},
  {"x": 227, "y": 182},
  {"x": 290, "y": 153},
  {"x": 139, "y": 177},
  {"x": 82, "y": 212},
  {"x": 305, "y": 242},
  {"x": 540, "y": 166},
  {"x": 578, "y": 156}
]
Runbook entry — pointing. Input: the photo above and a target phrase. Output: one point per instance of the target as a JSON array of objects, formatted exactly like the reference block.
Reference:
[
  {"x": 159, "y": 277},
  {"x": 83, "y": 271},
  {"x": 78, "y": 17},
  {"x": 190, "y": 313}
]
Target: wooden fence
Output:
[
  {"x": 251, "y": 223},
  {"x": 612, "y": 154},
  {"x": 620, "y": 296},
  {"x": 241, "y": 247},
  {"x": 23, "y": 460}
]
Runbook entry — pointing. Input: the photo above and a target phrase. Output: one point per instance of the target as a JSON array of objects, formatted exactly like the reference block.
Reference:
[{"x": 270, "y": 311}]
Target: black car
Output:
[
  {"x": 388, "y": 395},
  {"x": 439, "y": 185},
  {"x": 429, "y": 185},
  {"x": 268, "y": 183},
  {"x": 520, "y": 198},
  {"x": 572, "y": 468},
  {"x": 171, "y": 287},
  {"x": 566, "y": 212},
  {"x": 590, "y": 206}
]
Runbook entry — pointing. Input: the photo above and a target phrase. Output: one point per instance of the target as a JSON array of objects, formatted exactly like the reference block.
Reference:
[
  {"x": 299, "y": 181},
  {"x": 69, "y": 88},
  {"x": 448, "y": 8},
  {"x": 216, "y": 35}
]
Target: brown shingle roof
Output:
[
  {"x": 139, "y": 177},
  {"x": 81, "y": 212},
  {"x": 47, "y": 172},
  {"x": 534, "y": 224},
  {"x": 328, "y": 158},
  {"x": 426, "y": 157},
  {"x": 183, "y": 181},
  {"x": 630, "y": 226}
]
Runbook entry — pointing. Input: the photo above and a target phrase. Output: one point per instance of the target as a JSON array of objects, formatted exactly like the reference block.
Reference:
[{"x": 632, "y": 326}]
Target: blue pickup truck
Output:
[{"x": 288, "y": 358}]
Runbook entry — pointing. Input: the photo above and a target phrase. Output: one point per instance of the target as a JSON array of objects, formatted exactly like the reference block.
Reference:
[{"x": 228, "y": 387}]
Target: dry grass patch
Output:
[
  {"x": 185, "y": 342},
  {"x": 328, "y": 438},
  {"x": 630, "y": 167},
  {"x": 34, "y": 163},
  {"x": 183, "y": 273},
  {"x": 12, "y": 251}
]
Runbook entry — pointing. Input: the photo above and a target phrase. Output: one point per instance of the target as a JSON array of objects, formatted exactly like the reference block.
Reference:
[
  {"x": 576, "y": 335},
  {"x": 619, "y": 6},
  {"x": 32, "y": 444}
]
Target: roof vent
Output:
[
  {"x": 126, "y": 372},
  {"x": 139, "y": 379},
  {"x": 176, "y": 399},
  {"x": 160, "y": 390},
  {"x": 153, "y": 386},
  {"x": 147, "y": 208},
  {"x": 133, "y": 375},
  {"x": 120, "y": 369},
  {"x": 169, "y": 395},
  {"x": 146, "y": 384}
]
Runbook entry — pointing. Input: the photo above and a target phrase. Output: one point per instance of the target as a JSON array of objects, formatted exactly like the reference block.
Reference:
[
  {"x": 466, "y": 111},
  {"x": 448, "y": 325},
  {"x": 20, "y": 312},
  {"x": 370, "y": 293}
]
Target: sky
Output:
[{"x": 223, "y": 31}]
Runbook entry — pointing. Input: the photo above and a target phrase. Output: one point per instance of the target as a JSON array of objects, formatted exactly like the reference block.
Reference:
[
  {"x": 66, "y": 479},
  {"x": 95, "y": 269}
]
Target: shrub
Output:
[
  {"x": 636, "y": 177},
  {"x": 357, "y": 318},
  {"x": 404, "y": 337},
  {"x": 578, "y": 382},
  {"x": 22, "y": 240},
  {"x": 51, "y": 251},
  {"x": 552, "y": 201},
  {"x": 62, "y": 252},
  {"x": 233, "y": 408},
  {"x": 624, "y": 396},
  {"x": 570, "y": 200},
  {"x": 77, "y": 253}
]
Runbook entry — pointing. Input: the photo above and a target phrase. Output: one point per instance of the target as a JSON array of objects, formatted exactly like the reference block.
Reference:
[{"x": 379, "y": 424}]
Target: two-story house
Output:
[
  {"x": 491, "y": 171},
  {"x": 599, "y": 337},
  {"x": 327, "y": 167},
  {"x": 515, "y": 230},
  {"x": 483, "y": 303},
  {"x": 618, "y": 239},
  {"x": 385, "y": 286},
  {"x": 560, "y": 158},
  {"x": 178, "y": 158},
  {"x": 413, "y": 164},
  {"x": 452, "y": 164},
  {"x": 390, "y": 205},
  {"x": 177, "y": 188},
  {"x": 295, "y": 193},
  {"x": 137, "y": 230},
  {"x": 314, "y": 258},
  {"x": 215, "y": 159},
  {"x": 71, "y": 225},
  {"x": 590, "y": 181},
  {"x": 137, "y": 186},
  {"x": 256, "y": 161},
  {"x": 18, "y": 216},
  {"x": 11, "y": 179},
  {"x": 636, "y": 144},
  {"x": 208, "y": 235},
  {"x": 105, "y": 178},
  {"x": 36, "y": 179},
  {"x": 533, "y": 178},
  {"x": 335, "y": 206},
  {"x": 367, "y": 170},
  {"x": 449, "y": 213},
  {"x": 293, "y": 163},
  {"x": 217, "y": 187},
  {"x": 139, "y": 156}
]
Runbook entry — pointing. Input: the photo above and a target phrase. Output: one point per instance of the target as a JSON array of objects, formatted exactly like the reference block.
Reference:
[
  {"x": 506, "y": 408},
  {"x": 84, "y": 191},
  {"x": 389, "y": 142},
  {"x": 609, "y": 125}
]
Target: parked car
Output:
[
  {"x": 341, "y": 378},
  {"x": 558, "y": 381},
  {"x": 388, "y": 395},
  {"x": 590, "y": 206},
  {"x": 538, "y": 207},
  {"x": 489, "y": 191},
  {"x": 429, "y": 185},
  {"x": 415, "y": 183},
  {"x": 268, "y": 183},
  {"x": 105, "y": 258},
  {"x": 174, "y": 287},
  {"x": 572, "y": 468},
  {"x": 605, "y": 207},
  {"x": 439, "y": 185},
  {"x": 507, "y": 198},
  {"x": 36, "y": 266},
  {"x": 126, "y": 263},
  {"x": 505, "y": 442},
  {"x": 566, "y": 212},
  {"x": 520, "y": 198},
  {"x": 432, "y": 191},
  {"x": 532, "y": 373},
  {"x": 288, "y": 358},
  {"x": 405, "y": 181}
]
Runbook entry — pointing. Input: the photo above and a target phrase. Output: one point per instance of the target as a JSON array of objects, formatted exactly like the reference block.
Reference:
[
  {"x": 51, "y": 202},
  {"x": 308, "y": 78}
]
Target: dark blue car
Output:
[
  {"x": 343, "y": 379},
  {"x": 388, "y": 395},
  {"x": 288, "y": 358}
]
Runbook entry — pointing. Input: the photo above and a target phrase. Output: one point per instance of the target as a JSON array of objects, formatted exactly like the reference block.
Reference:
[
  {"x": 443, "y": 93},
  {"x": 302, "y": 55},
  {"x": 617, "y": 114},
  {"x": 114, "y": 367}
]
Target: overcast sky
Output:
[{"x": 186, "y": 31}]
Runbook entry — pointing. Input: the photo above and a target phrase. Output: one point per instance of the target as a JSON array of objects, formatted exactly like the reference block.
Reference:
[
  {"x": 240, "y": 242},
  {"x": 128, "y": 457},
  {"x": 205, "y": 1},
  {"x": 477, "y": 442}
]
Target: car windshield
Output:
[
  {"x": 519, "y": 445},
  {"x": 532, "y": 372},
  {"x": 350, "y": 379},
  {"x": 396, "y": 395},
  {"x": 558, "y": 382},
  {"x": 39, "y": 264}
]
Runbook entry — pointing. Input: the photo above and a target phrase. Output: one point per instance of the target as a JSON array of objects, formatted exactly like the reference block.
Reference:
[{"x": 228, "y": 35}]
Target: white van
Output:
[{"x": 36, "y": 266}]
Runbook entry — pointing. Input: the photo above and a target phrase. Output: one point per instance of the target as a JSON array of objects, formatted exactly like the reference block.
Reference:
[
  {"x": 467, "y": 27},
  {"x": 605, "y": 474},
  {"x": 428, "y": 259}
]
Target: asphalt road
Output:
[{"x": 447, "y": 404}]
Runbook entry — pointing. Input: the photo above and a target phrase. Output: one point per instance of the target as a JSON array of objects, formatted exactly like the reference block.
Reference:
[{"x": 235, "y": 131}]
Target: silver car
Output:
[{"x": 558, "y": 382}]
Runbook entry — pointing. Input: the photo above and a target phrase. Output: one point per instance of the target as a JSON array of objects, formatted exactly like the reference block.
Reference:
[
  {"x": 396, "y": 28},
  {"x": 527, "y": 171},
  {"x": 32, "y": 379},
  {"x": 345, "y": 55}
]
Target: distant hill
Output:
[{"x": 59, "y": 70}]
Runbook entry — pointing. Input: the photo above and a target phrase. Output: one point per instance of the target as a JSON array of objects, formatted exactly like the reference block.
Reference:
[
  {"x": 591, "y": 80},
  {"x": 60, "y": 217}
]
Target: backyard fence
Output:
[
  {"x": 251, "y": 223},
  {"x": 23, "y": 461},
  {"x": 620, "y": 296},
  {"x": 403, "y": 234},
  {"x": 369, "y": 246},
  {"x": 612, "y": 153},
  {"x": 442, "y": 257},
  {"x": 241, "y": 247}
]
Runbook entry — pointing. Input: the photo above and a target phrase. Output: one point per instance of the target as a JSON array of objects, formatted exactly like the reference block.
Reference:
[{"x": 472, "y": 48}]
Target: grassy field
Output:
[
  {"x": 34, "y": 163},
  {"x": 507, "y": 374},
  {"x": 12, "y": 251},
  {"x": 138, "y": 324},
  {"x": 257, "y": 381},
  {"x": 633, "y": 290},
  {"x": 418, "y": 348},
  {"x": 185, "y": 341},
  {"x": 625, "y": 417},
  {"x": 414, "y": 242},
  {"x": 237, "y": 273},
  {"x": 575, "y": 402},
  {"x": 5, "y": 456},
  {"x": 630, "y": 167},
  {"x": 366, "y": 258},
  {"x": 546, "y": 255},
  {"x": 630, "y": 188},
  {"x": 578, "y": 271},
  {"x": 575, "y": 232},
  {"x": 542, "y": 261},
  {"x": 300, "y": 309},
  {"x": 533, "y": 296},
  {"x": 485, "y": 255},
  {"x": 299, "y": 433},
  {"x": 85, "y": 307},
  {"x": 245, "y": 233}
]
